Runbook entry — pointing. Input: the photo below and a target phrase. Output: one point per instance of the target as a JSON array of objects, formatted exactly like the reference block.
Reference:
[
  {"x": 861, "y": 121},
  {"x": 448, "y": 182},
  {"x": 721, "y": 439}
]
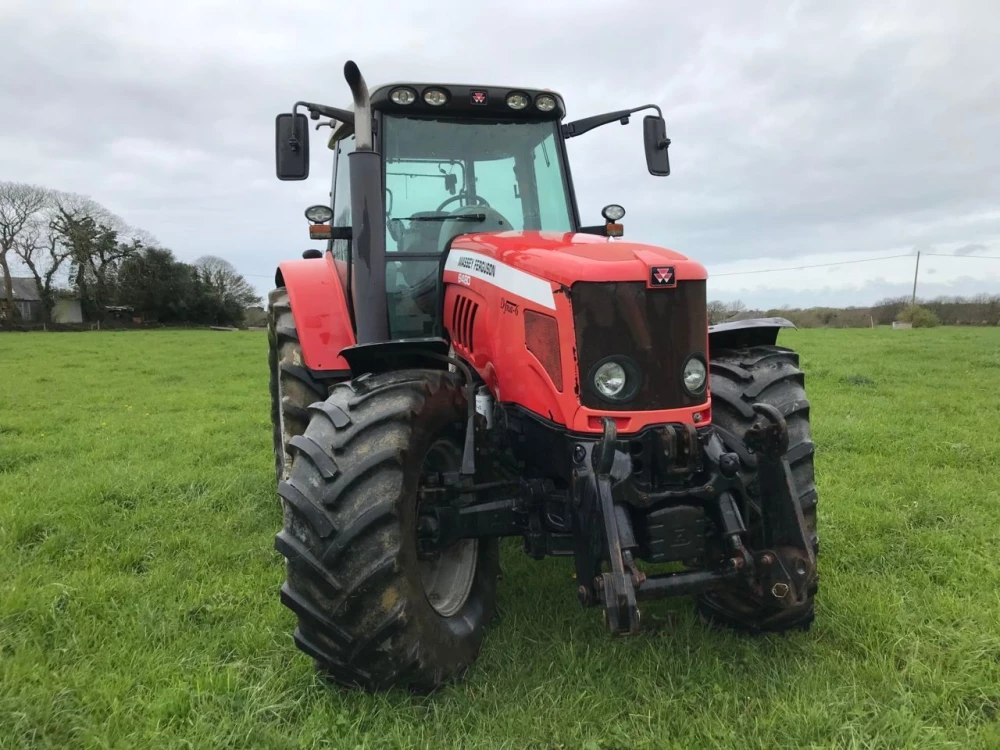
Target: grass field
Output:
[{"x": 139, "y": 607}]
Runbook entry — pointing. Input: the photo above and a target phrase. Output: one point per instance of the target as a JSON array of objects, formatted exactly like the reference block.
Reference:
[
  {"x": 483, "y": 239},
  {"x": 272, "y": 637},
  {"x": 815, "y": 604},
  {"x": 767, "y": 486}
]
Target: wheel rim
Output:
[{"x": 447, "y": 579}]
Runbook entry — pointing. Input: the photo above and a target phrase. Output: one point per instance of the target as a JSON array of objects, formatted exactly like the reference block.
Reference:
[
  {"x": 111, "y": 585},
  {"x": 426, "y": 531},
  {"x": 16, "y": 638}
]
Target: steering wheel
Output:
[{"x": 473, "y": 200}]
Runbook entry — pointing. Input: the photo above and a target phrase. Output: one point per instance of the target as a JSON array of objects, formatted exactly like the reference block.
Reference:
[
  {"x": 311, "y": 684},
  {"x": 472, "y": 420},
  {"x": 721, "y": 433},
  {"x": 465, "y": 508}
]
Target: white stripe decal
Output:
[{"x": 502, "y": 276}]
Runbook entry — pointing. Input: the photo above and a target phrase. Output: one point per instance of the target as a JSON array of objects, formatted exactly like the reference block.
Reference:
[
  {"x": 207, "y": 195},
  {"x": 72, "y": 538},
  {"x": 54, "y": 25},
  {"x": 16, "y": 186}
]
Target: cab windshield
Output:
[
  {"x": 445, "y": 178},
  {"x": 486, "y": 175}
]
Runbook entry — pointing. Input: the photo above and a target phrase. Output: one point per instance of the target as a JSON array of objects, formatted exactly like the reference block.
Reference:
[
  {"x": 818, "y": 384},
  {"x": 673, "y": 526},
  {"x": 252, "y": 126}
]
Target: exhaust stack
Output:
[{"x": 367, "y": 219}]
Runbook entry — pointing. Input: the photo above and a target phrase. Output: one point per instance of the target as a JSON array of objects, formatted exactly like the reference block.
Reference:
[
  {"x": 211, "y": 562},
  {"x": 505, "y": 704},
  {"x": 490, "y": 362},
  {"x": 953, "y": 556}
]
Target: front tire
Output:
[
  {"x": 740, "y": 378},
  {"x": 370, "y": 612},
  {"x": 293, "y": 387}
]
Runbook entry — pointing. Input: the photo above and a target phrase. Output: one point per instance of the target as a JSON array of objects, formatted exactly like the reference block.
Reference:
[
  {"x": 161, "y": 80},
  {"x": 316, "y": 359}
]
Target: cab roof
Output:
[
  {"x": 462, "y": 101},
  {"x": 465, "y": 100}
]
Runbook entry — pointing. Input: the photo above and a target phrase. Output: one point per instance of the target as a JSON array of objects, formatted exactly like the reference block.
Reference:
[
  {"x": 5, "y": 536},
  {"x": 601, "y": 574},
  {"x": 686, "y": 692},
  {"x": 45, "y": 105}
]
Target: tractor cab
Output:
[
  {"x": 452, "y": 168},
  {"x": 444, "y": 160}
]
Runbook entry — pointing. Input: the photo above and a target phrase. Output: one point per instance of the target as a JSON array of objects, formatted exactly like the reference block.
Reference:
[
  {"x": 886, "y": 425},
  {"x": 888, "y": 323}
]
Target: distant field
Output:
[{"x": 139, "y": 597}]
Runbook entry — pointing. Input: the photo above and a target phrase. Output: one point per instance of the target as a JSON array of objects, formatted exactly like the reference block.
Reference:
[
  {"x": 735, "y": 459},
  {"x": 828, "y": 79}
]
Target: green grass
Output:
[{"x": 139, "y": 608}]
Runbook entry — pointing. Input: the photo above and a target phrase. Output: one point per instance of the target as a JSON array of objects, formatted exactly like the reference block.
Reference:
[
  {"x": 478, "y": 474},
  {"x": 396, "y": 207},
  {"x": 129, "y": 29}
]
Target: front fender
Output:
[
  {"x": 740, "y": 333},
  {"x": 319, "y": 305}
]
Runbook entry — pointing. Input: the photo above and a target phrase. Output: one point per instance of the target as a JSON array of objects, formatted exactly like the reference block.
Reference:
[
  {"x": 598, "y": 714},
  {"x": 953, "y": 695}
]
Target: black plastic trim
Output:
[
  {"x": 568, "y": 178},
  {"x": 404, "y": 354},
  {"x": 329, "y": 374},
  {"x": 751, "y": 332}
]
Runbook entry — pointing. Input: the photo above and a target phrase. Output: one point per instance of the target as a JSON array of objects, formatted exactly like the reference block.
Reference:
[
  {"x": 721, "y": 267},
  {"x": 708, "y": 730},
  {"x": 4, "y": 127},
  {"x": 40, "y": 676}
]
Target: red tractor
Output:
[{"x": 466, "y": 362}]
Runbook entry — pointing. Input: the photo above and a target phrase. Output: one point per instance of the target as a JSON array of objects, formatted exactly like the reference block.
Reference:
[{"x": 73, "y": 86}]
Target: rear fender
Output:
[
  {"x": 742, "y": 333},
  {"x": 319, "y": 305}
]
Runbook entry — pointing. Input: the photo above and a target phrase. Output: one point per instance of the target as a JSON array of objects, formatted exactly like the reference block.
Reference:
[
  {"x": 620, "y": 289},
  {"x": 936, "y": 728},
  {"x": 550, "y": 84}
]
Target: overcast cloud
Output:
[{"x": 803, "y": 132}]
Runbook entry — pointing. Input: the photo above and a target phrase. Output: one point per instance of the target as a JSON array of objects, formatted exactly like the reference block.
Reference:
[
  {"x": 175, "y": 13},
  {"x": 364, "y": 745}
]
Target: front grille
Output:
[{"x": 657, "y": 328}]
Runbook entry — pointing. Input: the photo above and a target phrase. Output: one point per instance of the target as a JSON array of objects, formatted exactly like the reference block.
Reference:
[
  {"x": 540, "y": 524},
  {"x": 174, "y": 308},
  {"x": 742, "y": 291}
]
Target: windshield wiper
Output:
[{"x": 459, "y": 217}]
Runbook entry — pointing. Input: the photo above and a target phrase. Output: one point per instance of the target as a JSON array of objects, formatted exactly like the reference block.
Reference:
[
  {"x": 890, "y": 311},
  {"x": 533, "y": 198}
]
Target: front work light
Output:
[
  {"x": 516, "y": 100},
  {"x": 403, "y": 96},
  {"x": 435, "y": 97},
  {"x": 319, "y": 214},
  {"x": 613, "y": 212},
  {"x": 545, "y": 103}
]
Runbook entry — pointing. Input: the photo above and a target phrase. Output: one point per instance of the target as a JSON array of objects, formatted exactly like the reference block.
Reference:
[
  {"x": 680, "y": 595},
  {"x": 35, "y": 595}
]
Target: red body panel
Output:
[
  {"x": 319, "y": 306},
  {"x": 510, "y": 272},
  {"x": 567, "y": 258}
]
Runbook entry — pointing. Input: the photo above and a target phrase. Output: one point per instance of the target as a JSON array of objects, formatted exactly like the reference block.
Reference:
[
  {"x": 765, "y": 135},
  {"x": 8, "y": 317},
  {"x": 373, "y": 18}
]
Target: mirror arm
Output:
[
  {"x": 318, "y": 110},
  {"x": 579, "y": 127},
  {"x": 293, "y": 142}
]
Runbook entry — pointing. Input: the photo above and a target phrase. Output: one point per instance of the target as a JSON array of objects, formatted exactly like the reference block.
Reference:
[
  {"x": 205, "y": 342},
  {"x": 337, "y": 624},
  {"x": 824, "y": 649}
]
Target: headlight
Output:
[
  {"x": 545, "y": 103},
  {"x": 403, "y": 96},
  {"x": 610, "y": 379},
  {"x": 695, "y": 374}
]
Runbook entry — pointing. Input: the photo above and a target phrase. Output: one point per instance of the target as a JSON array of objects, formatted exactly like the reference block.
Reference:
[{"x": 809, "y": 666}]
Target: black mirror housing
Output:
[
  {"x": 291, "y": 146},
  {"x": 654, "y": 133}
]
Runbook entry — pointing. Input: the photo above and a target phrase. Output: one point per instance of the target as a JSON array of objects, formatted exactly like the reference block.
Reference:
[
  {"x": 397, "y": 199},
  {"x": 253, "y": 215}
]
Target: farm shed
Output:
[{"x": 28, "y": 302}]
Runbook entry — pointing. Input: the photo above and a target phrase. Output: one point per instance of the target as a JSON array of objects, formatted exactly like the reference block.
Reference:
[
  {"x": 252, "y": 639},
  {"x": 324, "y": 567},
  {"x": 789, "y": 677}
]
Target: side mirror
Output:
[
  {"x": 654, "y": 133},
  {"x": 291, "y": 146}
]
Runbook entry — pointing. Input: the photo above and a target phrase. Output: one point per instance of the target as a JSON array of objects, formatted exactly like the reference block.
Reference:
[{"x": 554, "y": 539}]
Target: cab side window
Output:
[{"x": 342, "y": 196}]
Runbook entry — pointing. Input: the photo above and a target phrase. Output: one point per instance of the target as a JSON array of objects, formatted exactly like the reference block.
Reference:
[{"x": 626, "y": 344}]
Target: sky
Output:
[{"x": 803, "y": 132}]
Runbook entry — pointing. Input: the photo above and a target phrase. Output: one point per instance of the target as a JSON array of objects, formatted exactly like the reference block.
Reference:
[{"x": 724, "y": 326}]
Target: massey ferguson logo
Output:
[
  {"x": 662, "y": 276},
  {"x": 479, "y": 97}
]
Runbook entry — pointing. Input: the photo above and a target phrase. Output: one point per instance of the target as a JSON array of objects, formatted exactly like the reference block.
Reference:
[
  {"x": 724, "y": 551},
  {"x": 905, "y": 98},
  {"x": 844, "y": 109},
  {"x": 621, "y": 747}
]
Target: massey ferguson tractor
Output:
[{"x": 468, "y": 361}]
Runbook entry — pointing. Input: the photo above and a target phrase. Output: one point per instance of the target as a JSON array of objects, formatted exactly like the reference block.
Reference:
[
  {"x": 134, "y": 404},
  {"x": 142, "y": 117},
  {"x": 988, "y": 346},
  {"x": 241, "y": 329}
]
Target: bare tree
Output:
[
  {"x": 716, "y": 311},
  {"x": 719, "y": 311},
  {"x": 735, "y": 308},
  {"x": 20, "y": 205},
  {"x": 226, "y": 281},
  {"x": 40, "y": 249}
]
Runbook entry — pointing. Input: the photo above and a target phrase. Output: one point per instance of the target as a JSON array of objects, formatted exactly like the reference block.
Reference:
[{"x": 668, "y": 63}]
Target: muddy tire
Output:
[
  {"x": 293, "y": 387},
  {"x": 769, "y": 375},
  {"x": 369, "y": 612}
]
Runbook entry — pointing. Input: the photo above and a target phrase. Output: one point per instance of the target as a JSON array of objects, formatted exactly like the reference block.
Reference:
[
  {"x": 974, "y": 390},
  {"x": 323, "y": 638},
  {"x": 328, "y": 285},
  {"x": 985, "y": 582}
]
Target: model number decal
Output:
[
  {"x": 464, "y": 278},
  {"x": 506, "y": 306}
]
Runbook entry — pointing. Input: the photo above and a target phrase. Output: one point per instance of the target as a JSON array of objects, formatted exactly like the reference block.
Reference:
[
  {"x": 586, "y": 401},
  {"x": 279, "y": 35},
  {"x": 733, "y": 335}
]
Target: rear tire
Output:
[
  {"x": 353, "y": 575},
  {"x": 740, "y": 378},
  {"x": 293, "y": 387}
]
